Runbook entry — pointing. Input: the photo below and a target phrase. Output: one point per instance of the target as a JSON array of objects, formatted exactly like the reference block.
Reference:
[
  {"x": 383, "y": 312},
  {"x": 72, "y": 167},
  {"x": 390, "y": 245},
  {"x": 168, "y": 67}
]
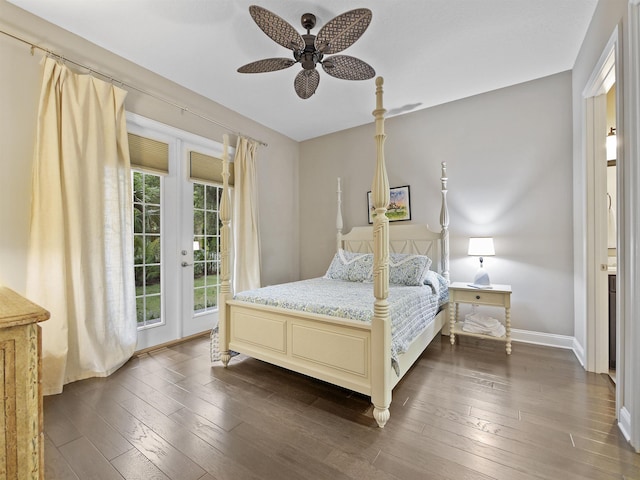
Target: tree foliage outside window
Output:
[
  {"x": 206, "y": 232},
  {"x": 147, "y": 247}
]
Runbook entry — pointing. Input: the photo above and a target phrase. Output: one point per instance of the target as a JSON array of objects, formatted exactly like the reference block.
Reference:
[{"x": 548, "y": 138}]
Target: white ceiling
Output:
[{"x": 429, "y": 51}]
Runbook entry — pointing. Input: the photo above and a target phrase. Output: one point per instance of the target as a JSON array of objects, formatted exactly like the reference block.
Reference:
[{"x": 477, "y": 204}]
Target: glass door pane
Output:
[
  {"x": 147, "y": 248},
  {"x": 206, "y": 241}
]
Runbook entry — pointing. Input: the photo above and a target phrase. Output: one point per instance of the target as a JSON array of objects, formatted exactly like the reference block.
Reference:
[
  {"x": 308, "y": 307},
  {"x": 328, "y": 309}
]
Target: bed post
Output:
[
  {"x": 339, "y": 218},
  {"x": 444, "y": 224},
  {"x": 380, "y": 324},
  {"x": 225, "y": 258}
]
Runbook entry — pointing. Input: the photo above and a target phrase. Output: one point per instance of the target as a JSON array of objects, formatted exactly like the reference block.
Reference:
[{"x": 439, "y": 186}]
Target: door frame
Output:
[
  {"x": 604, "y": 75},
  {"x": 628, "y": 195},
  {"x": 629, "y": 401}
]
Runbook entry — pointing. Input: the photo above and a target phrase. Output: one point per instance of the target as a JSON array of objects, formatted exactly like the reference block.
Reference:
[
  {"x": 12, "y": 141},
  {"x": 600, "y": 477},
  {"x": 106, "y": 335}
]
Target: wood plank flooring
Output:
[{"x": 467, "y": 412}]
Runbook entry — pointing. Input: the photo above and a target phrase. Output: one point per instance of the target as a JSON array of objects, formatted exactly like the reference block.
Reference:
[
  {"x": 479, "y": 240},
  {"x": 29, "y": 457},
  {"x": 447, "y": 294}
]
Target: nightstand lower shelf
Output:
[{"x": 457, "y": 330}]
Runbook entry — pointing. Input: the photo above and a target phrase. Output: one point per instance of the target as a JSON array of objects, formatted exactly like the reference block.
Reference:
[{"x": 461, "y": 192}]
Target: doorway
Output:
[
  {"x": 612, "y": 230},
  {"x": 176, "y": 233},
  {"x": 604, "y": 314}
]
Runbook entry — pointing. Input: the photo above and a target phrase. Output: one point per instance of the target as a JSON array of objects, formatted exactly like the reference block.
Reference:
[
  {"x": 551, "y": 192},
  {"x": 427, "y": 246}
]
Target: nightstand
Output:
[{"x": 496, "y": 296}]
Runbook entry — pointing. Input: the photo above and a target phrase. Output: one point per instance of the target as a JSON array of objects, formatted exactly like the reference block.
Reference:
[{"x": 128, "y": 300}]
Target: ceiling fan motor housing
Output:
[{"x": 309, "y": 56}]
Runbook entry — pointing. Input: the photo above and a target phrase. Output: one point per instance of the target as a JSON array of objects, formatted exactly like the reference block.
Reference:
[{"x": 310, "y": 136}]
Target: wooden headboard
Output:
[{"x": 409, "y": 238}]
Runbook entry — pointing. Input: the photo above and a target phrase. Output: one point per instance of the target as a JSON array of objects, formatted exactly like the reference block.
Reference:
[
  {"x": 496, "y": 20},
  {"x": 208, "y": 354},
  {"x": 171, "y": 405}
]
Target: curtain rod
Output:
[{"x": 127, "y": 85}]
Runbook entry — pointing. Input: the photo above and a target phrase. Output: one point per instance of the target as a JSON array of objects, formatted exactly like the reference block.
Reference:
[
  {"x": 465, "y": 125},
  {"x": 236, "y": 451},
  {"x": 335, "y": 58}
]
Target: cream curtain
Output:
[
  {"x": 80, "y": 264},
  {"x": 246, "y": 240}
]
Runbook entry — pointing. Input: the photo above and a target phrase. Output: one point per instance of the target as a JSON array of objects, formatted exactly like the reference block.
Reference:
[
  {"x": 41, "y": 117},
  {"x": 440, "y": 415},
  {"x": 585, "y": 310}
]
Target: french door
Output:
[{"x": 176, "y": 235}]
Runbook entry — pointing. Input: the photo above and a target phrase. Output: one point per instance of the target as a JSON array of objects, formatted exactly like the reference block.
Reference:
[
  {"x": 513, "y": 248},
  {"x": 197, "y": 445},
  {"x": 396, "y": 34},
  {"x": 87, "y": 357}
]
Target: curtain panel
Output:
[
  {"x": 80, "y": 263},
  {"x": 246, "y": 238}
]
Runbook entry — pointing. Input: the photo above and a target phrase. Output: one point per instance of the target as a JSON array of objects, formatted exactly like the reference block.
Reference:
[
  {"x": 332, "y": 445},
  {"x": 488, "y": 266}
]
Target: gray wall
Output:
[
  {"x": 509, "y": 156},
  {"x": 20, "y": 81}
]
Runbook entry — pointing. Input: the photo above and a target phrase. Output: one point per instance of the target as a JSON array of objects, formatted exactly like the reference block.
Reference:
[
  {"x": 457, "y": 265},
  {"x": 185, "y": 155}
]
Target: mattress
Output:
[{"x": 411, "y": 308}]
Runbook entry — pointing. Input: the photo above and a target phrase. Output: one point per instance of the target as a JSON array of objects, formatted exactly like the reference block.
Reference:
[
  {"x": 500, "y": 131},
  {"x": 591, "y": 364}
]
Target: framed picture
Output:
[{"x": 399, "y": 205}]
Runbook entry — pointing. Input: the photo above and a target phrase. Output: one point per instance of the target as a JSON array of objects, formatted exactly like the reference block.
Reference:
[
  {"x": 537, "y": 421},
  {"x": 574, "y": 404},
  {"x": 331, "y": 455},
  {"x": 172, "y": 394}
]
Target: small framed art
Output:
[{"x": 399, "y": 205}]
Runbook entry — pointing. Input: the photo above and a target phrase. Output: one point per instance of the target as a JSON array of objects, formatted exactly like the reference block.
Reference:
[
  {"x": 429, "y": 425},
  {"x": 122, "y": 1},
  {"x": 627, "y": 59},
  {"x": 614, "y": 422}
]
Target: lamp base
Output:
[{"x": 481, "y": 279}]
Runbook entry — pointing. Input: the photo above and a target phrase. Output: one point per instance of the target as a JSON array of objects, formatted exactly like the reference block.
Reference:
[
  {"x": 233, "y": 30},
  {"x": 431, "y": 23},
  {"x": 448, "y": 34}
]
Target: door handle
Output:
[{"x": 186, "y": 264}]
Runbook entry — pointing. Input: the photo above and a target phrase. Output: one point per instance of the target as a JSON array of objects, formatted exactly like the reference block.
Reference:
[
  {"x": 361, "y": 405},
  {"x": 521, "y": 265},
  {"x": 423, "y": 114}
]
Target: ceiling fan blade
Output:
[
  {"x": 348, "y": 68},
  {"x": 306, "y": 83},
  {"x": 267, "y": 65},
  {"x": 343, "y": 31},
  {"x": 276, "y": 28}
]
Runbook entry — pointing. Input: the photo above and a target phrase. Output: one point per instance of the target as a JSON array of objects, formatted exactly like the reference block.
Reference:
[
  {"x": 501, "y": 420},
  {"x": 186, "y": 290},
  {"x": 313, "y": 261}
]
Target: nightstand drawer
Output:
[{"x": 480, "y": 298}]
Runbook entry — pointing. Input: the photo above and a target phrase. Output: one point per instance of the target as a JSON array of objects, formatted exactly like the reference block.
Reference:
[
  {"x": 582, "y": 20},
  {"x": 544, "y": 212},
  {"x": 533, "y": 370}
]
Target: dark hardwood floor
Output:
[{"x": 468, "y": 412}]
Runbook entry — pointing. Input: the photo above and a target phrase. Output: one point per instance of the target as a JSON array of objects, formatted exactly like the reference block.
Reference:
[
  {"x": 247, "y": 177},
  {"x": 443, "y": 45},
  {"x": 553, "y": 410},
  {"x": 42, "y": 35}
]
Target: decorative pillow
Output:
[
  {"x": 406, "y": 269},
  {"x": 350, "y": 266},
  {"x": 436, "y": 281}
]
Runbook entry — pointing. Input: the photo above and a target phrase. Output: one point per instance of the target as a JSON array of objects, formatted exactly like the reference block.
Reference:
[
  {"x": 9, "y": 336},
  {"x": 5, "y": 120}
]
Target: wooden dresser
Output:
[{"x": 21, "y": 449}]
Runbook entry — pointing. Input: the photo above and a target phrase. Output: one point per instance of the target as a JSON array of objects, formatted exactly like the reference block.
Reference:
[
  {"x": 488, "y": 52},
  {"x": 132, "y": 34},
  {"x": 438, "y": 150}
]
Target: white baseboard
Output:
[
  {"x": 539, "y": 338},
  {"x": 545, "y": 339},
  {"x": 549, "y": 340},
  {"x": 578, "y": 349},
  {"x": 624, "y": 423}
]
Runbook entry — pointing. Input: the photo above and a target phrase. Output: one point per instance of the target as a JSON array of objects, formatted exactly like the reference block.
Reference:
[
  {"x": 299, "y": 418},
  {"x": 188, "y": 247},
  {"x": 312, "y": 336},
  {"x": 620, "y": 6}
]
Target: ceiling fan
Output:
[{"x": 309, "y": 50}]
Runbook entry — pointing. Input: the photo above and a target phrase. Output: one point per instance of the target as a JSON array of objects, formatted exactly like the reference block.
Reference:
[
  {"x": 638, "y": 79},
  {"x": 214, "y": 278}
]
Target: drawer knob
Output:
[{"x": 477, "y": 297}]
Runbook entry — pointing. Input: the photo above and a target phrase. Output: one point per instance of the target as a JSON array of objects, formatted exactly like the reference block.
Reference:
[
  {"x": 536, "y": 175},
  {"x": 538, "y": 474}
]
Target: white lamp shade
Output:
[
  {"x": 196, "y": 245},
  {"x": 481, "y": 246}
]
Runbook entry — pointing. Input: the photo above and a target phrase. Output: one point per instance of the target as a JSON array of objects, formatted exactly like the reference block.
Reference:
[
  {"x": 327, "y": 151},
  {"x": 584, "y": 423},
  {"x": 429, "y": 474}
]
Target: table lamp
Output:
[{"x": 481, "y": 247}]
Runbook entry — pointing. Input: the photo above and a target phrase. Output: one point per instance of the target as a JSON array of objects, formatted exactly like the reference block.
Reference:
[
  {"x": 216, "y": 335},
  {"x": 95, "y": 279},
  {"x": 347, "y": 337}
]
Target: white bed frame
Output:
[{"x": 347, "y": 353}]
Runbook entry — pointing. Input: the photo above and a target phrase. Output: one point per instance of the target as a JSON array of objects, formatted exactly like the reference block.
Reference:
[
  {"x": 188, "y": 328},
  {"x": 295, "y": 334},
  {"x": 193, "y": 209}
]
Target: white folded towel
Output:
[{"x": 484, "y": 324}]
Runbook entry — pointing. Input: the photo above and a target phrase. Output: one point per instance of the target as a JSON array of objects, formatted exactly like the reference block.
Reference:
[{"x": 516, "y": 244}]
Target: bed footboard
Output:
[{"x": 322, "y": 347}]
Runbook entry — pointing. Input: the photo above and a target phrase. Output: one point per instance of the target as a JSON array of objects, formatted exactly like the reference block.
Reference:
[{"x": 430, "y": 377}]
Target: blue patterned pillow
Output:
[
  {"x": 407, "y": 269},
  {"x": 350, "y": 266}
]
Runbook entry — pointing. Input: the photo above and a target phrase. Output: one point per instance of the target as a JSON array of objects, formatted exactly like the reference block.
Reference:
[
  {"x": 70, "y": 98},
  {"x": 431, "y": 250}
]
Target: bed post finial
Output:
[
  {"x": 225, "y": 257},
  {"x": 339, "y": 224},
  {"x": 444, "y": 224},
  {"x": 380, "y": 323}
]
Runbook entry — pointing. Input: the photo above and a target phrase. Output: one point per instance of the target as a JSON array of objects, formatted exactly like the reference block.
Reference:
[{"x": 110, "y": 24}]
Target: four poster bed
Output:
[{"x": 337, "y": 339}]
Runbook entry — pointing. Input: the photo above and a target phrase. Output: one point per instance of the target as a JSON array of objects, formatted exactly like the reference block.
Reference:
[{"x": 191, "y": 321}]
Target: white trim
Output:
[
  {"x": 540, "y": 338},
  {"x": 213, "y": 147},
  {"x": 579, "y": 352},
  {"x": 603, "y": 76},
  {"x": 624, "y": 423},
  {"x": 630, "y": 356},
  {"x": 566, "y": 342}
]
